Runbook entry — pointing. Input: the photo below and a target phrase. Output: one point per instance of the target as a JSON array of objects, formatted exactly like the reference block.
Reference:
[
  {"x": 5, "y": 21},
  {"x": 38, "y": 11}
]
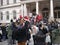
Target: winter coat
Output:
[
  {"x": 23, "y": 34},
  {"x": 9, "y": 30}
]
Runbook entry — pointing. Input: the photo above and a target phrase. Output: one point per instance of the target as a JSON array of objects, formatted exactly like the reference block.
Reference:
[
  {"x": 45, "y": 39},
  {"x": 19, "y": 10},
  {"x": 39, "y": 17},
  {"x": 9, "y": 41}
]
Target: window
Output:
[
  {"x": 1, "y": 16},
  {"x": 45, "y": 12},
  {"x": 7, "y": 15},
  {"x": 14, "y": 1},
  {"x": 14, "y": 14},
  {"x": 1, "y": 2},
  {"x": 7, "y": 2},
  {"x": 57, "y": 12},
  {"x": 55, "y": 15},
  {"x": 34, "y": 12}
]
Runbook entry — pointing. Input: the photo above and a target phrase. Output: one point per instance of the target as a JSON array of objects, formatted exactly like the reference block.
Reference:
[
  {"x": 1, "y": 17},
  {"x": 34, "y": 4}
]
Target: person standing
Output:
[
  {"x": 3, "y": 32},
  {"x": 41, "y": 35},
  {"x": 9, "y": 29},
  {"x": 35, "y": 30},
  {"x": 23, "y": 34}
]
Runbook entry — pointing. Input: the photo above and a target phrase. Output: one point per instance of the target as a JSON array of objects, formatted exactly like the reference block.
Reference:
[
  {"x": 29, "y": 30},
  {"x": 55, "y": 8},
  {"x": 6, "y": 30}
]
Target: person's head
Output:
[
  {"x": 11, "y": 20},
  {"x": 27, "y": 24},
  {"x": 40, "y": 25}
]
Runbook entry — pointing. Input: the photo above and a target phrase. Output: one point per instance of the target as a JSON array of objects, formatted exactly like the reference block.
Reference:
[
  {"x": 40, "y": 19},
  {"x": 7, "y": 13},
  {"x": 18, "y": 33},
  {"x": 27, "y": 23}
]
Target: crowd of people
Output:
[{"x": 26, "y": 27}]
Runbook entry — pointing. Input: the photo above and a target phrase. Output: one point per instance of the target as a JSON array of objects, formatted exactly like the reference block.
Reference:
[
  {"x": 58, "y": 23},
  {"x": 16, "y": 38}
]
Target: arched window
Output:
[
  {"x": 14, "y": 1},
  {"x": 57, "y": 12},
  {"x": 14, "y": 14},
  {"x": 45, "y": 12},
  {"x": 34, "y": 12},
  {"x": 7, "y": 15},
  {"x": 1, "y": 16}
]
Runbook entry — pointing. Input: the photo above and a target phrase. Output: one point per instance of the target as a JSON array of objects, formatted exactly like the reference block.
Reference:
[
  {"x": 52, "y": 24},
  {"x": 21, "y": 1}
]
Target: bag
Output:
[
  {"x": 47, "y": 39},
  {"x": 40, "y": 37}
]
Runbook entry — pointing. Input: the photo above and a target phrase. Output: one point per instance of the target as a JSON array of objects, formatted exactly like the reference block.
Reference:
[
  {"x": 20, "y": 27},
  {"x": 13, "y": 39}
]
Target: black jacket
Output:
[
  {"x": 23, "y": 33},
  {"x": 40, "y": 36}
]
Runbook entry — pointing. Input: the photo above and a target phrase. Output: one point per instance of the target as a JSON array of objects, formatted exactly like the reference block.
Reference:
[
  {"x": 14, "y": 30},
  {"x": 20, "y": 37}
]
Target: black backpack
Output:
[{"x": 40, "y": 36}]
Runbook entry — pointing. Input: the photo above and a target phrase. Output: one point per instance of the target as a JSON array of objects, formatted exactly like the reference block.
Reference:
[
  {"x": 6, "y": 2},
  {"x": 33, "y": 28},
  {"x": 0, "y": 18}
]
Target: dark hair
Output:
[
  {"x": 26, "y": 23},
  {"x": 11, "y": 20},
  {"x": 40, "y": 25},
  {"x": 17, "y": 21}
]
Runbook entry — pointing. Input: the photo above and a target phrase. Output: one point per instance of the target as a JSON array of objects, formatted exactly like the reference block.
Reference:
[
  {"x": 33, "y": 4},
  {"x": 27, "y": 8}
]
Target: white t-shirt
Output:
[{"x": 34, "y": 29}]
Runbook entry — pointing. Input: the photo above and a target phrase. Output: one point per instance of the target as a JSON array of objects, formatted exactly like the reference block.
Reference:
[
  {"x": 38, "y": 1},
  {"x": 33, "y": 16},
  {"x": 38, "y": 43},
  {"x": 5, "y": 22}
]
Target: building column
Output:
[
  {"x": 22, "y": 10},
  {"x": 51, "y": 11},
  {"x": 25, "y": 10},
  {"x": 37, "y": 7}
]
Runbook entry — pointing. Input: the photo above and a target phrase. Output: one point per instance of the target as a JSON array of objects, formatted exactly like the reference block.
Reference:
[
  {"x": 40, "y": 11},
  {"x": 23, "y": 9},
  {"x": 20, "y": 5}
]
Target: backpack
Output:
[{"x": 40, "y": 36}]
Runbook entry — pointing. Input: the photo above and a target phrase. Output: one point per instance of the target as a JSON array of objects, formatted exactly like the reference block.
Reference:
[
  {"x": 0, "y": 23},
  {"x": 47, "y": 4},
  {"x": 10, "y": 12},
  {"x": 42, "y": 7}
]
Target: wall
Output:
[
  {"x": 10, "y": 13},
  {"x": 10, "y": 2}
]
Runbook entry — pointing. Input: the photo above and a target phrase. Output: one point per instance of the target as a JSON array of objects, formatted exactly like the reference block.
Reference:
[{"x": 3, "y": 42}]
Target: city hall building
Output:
[{"x": 12, "y": 9}]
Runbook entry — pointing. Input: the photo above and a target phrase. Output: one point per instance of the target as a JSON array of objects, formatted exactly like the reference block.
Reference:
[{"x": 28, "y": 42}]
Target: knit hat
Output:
[
  {"x": 20, "y": 17},
  {"x": 26, "y": 18},
  {"x": 39, "y": 17}
]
